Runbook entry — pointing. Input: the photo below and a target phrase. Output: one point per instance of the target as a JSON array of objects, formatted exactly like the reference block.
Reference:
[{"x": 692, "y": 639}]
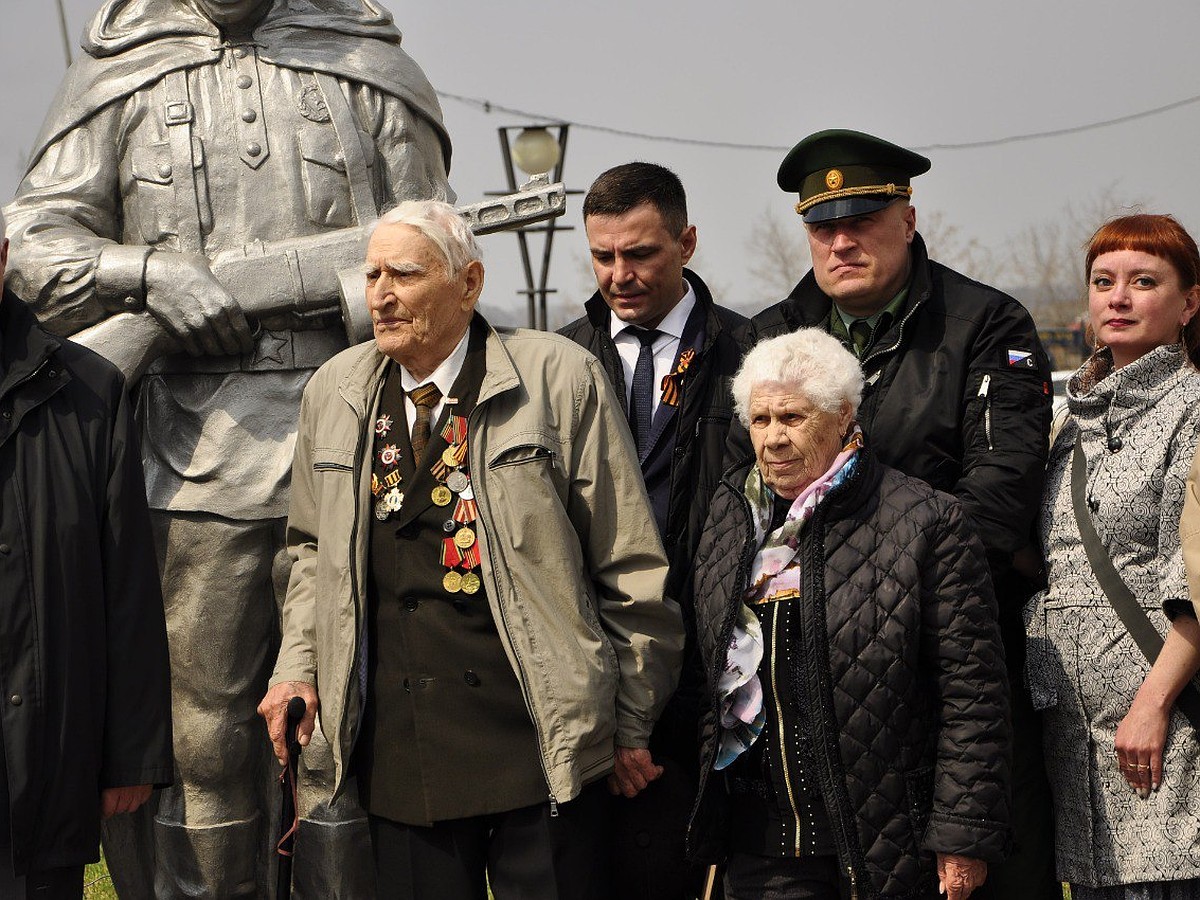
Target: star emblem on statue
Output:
[{"x": 270, "y": 348}]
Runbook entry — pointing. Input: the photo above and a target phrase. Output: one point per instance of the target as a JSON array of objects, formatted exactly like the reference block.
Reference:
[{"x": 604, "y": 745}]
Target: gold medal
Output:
[
  {"x": 441, "y": 495},
  {"x": 464, "y": 538},
  {"x": 471, "y": 583},
  {"x": 450, "y": 456},
  {"x": 453, "y": 582}
]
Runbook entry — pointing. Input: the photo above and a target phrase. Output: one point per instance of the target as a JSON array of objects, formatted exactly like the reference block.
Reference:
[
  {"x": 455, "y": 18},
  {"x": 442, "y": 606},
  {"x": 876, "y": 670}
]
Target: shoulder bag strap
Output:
[
  {"x": 1134, "y": 618},
  {"x": 180, "y": 116},
  {"x": 358, "y": 170}
]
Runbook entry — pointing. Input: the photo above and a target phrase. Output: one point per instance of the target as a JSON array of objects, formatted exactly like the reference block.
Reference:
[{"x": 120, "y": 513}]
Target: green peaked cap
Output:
[{"x": 840, "y": 173}]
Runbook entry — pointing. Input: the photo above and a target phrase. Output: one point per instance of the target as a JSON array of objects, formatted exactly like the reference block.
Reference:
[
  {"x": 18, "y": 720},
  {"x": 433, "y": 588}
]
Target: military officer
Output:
[{"x": 957, "y": 394}]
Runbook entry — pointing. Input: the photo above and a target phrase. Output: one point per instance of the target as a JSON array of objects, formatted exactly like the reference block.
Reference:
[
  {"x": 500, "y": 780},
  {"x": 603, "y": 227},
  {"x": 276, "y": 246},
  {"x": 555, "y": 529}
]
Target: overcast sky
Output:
[{"x": 920, "y": 73}]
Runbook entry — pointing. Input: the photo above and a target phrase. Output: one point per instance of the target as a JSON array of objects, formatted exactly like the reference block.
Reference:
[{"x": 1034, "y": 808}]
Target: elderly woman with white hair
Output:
[{"x": 857, "y": 738}]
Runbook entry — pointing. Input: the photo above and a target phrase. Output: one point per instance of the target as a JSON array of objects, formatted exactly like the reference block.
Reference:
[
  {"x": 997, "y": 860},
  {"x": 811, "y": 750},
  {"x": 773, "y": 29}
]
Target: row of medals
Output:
[{"x": 460, "y": 549}]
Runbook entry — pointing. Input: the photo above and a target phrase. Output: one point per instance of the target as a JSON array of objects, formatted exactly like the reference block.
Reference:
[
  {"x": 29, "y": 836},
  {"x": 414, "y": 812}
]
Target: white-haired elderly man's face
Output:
[
  {"x": 419, "y": 310},
  {"x": 231, "y": 12},
  {"x": 795, "y": 441}
]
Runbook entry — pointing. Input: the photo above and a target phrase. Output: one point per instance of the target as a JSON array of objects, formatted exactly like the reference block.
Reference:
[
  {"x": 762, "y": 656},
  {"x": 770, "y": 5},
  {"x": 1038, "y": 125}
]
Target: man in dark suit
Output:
[{"x": 669, "y": 351}]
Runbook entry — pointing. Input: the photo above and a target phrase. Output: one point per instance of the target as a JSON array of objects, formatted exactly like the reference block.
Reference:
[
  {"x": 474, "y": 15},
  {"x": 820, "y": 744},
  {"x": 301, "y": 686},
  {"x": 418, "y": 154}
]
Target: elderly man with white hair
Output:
[
  {"x": 857, "y": 737},
  {"x": 85, "y": 719},
  {"x": 475, "y": 599}
]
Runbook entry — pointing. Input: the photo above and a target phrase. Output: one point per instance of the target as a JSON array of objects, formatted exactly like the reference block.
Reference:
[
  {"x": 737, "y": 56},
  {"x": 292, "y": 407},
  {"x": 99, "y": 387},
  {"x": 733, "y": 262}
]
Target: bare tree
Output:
[
  {"x": 777, "y": 255},
  {"x": 949, "y": 245},
  {"x": 1046, "y": 259}
]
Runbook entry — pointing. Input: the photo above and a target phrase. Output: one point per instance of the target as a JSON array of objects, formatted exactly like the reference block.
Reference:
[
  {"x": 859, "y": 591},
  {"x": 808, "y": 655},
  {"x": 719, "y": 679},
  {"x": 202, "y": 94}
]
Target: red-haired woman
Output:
[{"x": 1122, "y": 758}]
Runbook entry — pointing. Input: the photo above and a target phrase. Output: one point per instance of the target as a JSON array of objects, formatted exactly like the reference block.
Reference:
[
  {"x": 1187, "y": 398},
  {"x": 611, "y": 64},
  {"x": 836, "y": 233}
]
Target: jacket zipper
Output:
[
  {"x": 782, "y": 730},
  {"x": 899, "y": 334},
  {"x": 522, "y": 677},
  {"x": 984, "y": 386},
  {"x": 28, "y": 378},
  {"x": 354, "y": 682},
  {"x": 825, "y": 760}
]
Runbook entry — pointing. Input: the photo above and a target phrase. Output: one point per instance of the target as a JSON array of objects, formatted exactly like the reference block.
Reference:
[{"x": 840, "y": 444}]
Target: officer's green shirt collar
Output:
[{"x": 840, "y": 320}]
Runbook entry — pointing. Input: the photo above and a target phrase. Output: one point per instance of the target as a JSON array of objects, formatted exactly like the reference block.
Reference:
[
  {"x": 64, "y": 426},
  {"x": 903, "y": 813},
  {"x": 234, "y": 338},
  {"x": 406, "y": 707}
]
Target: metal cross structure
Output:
[{"x": 535, "y": 291}]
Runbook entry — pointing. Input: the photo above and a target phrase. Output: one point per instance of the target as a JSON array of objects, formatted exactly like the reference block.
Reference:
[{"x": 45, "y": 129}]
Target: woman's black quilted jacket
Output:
[{"x": 906, "y": 678}]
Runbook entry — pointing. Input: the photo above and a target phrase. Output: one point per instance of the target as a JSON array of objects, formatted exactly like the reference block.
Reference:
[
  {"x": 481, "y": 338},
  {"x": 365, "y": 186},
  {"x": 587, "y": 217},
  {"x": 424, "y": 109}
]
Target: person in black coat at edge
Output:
[
  {"x": 957, "y": 394},
  {"x": 856, "y": 733},
  {"x": 669, "y": 350},
  {"x": 85, "y": 723}
]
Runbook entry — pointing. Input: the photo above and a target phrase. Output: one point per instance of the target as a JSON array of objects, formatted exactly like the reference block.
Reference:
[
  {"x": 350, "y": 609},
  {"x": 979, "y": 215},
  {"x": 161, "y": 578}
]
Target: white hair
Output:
[
  {"x": 443, "y": 226},
  {"x": 814, "y": 362},
  {"x": 3, "y": 226}
]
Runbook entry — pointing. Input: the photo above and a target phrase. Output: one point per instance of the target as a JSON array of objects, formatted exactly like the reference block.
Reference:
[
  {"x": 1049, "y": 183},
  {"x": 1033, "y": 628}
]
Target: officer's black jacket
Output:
[{"x": 958, "y": 394}]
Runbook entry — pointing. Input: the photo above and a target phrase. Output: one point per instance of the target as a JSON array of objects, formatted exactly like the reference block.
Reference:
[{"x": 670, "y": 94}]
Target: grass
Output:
[{"x": 97, "y": 883}]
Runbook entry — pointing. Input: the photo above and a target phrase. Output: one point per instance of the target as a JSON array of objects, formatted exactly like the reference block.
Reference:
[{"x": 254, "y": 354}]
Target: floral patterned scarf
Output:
[{"x": 774, "y": 576}]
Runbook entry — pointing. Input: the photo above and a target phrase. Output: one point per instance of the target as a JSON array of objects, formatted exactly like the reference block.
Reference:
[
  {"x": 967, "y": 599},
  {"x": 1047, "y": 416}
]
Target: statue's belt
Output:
[{"x": 274, "y": 351}]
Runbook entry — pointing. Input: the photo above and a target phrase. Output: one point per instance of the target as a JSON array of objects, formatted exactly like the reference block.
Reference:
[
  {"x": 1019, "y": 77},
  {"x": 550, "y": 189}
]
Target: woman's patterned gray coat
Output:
[{"x": 1139, "y": 427}]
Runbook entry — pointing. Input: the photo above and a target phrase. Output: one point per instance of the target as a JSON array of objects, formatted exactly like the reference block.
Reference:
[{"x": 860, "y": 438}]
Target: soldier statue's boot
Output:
[
  {"x": 208, "y": 861},
  {"x": 332, "y": 861},
  {"x": 129, "y": 851}
]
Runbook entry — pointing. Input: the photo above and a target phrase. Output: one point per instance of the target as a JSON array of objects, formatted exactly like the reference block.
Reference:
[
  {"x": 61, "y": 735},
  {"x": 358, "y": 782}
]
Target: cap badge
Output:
[{"x": 833, "y": 179}]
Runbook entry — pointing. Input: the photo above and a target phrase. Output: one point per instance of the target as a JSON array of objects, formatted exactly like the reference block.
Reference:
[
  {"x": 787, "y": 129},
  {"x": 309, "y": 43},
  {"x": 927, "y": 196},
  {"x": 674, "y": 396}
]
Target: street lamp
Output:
[
  {"x": 535, "y": 151},
  {"x": 62, "y": 25}
]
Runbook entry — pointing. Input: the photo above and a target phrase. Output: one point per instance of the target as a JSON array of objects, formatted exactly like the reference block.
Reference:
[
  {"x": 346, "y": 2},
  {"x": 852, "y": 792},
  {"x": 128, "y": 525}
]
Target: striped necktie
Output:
[{"x": 424, "y": 398}]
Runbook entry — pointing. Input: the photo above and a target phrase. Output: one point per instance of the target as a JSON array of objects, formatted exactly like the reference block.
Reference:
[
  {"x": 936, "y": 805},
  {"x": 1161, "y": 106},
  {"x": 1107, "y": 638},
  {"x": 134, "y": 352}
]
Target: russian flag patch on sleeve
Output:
[{"x": 1021, "y": 358}]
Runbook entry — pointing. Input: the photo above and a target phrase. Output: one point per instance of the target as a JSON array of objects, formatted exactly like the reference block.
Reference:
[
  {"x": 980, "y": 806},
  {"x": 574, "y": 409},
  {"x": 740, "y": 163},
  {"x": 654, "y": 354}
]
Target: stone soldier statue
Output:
[{"x": 191, "y": 132}]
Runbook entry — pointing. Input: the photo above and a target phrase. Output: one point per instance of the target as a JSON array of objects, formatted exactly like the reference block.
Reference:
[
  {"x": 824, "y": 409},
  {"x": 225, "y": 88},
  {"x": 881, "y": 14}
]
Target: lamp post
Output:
[
  {"x": 535, "y": 151},
  {"x": 62, "y": 26}
]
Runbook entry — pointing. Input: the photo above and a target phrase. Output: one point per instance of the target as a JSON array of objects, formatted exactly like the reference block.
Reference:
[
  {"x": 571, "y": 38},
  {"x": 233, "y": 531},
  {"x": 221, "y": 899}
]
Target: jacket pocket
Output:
[
  {"x": 333, "y": 459},
  {"x": 333, "y": 474},
  {"x": 326, "y": 183},
  {"x": 522, "y": 455},
  {"x": 153, "y": 190},
  {"x": 1008, "y": 406},
  {"x": 153, "y": 174},
  {"x": 1041, "y": 659},
  {"x": 918, "y": 793}
]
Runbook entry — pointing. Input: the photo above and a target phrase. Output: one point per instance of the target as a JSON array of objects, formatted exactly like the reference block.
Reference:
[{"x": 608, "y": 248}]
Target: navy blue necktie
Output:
[{"x": 641, "y": 400}]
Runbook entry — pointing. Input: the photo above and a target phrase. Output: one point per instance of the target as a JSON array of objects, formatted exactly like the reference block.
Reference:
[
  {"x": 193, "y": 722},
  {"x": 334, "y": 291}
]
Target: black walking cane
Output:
[{"x": 289, "y": 819}]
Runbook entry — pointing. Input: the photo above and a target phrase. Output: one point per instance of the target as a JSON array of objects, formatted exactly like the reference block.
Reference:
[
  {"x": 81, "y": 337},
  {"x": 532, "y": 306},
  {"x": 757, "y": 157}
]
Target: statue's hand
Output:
[{"x": 193, "y": 307}]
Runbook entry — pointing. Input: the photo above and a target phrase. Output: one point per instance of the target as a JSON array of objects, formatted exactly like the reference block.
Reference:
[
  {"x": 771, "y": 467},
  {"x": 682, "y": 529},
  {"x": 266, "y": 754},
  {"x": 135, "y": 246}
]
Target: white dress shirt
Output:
[
  {"x": 665, "y": 347},
  {"x": 443, "y": 376}
]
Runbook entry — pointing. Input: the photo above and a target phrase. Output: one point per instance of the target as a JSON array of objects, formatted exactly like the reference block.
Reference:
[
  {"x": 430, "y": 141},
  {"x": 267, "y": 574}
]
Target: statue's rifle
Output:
[{"x": 312, "y": 276}]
